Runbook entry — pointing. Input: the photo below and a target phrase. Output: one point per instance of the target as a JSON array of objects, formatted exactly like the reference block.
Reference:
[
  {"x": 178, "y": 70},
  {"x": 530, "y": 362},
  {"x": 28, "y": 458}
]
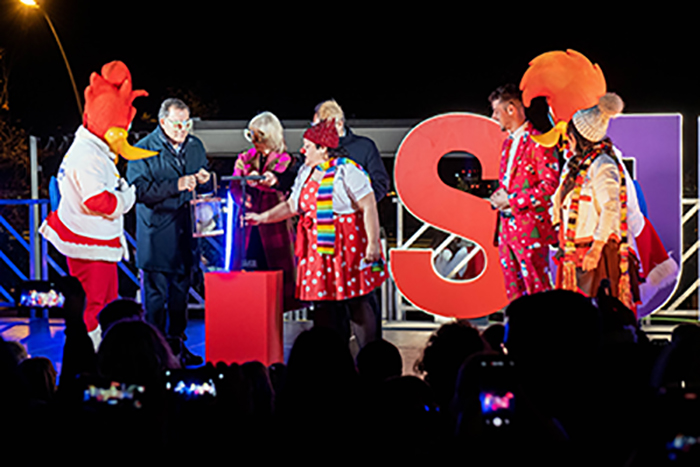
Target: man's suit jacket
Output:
[{"x": 533, "y": 179}]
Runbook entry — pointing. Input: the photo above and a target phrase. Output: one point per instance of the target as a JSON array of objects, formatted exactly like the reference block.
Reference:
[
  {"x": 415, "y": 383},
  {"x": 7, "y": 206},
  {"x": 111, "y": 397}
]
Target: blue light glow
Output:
[{"x": 229, "y": 230}]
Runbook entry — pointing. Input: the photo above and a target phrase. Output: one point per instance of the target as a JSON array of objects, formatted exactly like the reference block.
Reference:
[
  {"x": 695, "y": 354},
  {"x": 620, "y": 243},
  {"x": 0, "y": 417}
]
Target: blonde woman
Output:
[{"x": 269, "y": 245}]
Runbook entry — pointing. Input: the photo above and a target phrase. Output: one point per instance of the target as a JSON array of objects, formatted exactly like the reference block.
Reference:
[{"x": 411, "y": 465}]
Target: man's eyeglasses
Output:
[{"x": 180, "y": 126}]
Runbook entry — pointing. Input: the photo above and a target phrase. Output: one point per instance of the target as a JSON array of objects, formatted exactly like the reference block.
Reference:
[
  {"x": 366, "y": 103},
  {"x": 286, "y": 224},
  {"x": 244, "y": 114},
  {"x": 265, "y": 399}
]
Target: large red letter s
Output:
[{"x": 423, "y": 193}]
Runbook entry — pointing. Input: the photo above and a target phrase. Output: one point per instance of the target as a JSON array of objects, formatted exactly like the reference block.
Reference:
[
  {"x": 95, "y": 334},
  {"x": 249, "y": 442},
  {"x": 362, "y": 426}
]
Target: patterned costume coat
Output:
[{"x": 531, "y": 183}]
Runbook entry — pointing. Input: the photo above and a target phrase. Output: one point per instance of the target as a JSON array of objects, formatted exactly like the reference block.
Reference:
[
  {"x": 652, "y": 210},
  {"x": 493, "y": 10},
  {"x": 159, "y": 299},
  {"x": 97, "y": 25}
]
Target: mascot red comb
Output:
[{"x": 88, "y": 225}]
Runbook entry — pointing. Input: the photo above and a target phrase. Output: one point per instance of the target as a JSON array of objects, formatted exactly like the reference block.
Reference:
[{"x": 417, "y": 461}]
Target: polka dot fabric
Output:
[{"x": 337, "y": 276}]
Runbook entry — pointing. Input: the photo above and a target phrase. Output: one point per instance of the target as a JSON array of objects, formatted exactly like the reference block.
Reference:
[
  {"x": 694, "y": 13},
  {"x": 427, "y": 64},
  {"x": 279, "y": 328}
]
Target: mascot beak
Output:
[
  {"x": 116, "y": 139},
  {"x": 551, "y": 138}
]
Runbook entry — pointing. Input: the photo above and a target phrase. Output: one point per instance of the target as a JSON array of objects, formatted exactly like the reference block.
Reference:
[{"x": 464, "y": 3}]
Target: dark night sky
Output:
[{"x": 253, "y": 57}]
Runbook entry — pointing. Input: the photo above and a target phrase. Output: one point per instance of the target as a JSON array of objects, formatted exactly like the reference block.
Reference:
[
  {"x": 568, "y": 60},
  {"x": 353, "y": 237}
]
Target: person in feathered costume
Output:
[
  {"x": 570, "y": 82},
  {"x": 87, "y": 227},
  {"x": 592, "y": 205}
]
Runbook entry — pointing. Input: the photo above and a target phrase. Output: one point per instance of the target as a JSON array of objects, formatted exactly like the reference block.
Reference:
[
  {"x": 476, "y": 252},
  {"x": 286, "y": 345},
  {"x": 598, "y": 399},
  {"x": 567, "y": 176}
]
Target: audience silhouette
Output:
[{"x": 567, "y": 381}]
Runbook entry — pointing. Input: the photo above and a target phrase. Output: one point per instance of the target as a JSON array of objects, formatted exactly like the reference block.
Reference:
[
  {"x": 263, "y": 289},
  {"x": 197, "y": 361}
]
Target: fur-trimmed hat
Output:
[
  {"x": 593, "y": 123},
  {"x": 323, "y": 133}
]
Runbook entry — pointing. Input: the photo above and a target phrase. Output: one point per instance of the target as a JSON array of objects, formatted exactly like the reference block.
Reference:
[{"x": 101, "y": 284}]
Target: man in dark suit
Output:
[{"x": 167, "y": 254}]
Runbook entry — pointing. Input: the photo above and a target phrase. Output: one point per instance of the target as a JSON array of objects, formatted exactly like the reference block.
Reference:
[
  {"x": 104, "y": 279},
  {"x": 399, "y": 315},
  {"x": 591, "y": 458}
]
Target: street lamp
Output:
[{"x": 33, "y": 4}]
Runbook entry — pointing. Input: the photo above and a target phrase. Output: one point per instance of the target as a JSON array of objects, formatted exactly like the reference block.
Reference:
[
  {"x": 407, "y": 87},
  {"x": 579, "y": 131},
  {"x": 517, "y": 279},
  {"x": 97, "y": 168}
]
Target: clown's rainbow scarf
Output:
[
  {"x": 569, "y": 275},
  {"x": 325, "y": 237}
]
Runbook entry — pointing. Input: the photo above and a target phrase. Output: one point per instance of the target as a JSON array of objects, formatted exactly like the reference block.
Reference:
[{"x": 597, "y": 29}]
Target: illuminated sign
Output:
[{"x": 653, "y": 141}]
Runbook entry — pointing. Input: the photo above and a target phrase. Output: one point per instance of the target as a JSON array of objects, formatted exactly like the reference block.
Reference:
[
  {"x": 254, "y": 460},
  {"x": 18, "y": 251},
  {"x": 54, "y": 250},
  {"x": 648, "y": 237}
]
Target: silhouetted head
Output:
[
  {"x": 117, "y": 310},
  {"x": 134, "y": 352},
  {"x": 443, "y": 356},
  {"x": 378, "y": 361},
  {"x": 493, "y": 335},
  {"x": 40, "y": 377},
  {"x": 559, "y": 322},
  {"x": 17, "y": 350},
  {"x": 320, "y": 372}
]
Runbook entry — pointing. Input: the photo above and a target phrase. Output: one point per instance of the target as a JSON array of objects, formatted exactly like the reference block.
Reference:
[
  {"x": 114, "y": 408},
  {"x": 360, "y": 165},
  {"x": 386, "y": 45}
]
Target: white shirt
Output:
[
  {"x": 349, "y": 186},
  {"x": 516, "y": 136},
  {"x": 599, "y": 206}
]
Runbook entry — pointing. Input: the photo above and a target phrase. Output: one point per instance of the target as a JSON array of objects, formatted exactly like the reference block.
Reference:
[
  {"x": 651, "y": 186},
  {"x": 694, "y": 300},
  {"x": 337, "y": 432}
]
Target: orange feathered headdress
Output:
[
  {"x": 109, "y": 110},
  {"x": 569, "y": 81}
]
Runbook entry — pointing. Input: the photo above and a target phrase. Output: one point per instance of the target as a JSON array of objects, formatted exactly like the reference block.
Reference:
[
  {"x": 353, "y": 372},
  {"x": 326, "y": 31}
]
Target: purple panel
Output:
[{"x": 655, "y": 142}]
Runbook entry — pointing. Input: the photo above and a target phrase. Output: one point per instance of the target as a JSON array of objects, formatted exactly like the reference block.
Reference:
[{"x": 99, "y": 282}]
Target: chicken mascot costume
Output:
[{"x": 88, "y": 225}]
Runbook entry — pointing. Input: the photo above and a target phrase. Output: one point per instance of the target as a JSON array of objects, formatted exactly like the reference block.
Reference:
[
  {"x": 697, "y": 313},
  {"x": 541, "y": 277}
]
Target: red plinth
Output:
[{"x": 243, "y": 319}]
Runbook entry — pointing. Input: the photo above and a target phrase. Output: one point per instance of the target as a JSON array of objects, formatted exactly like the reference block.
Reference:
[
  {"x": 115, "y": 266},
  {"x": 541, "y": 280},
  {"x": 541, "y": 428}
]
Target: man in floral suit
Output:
[{"x": 528, "y": 177}]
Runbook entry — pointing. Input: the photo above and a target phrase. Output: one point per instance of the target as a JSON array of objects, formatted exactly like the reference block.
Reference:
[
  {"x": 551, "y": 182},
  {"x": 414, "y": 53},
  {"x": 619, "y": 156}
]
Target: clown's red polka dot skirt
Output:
[{"x": 342, "y": 275}]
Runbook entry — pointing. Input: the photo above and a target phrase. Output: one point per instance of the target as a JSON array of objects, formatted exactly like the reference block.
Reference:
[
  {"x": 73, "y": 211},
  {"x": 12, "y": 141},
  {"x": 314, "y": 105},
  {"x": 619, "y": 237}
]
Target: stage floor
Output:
[{"x": 44, "y": 337}]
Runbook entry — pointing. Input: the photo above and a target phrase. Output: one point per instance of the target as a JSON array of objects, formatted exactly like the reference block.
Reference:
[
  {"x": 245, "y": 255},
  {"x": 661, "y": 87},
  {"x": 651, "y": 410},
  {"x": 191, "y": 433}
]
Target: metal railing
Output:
[
  {"x": 40, "y": 262},
  {"x": 662, "y": 322},
  {"x": 35, "y": 246}
]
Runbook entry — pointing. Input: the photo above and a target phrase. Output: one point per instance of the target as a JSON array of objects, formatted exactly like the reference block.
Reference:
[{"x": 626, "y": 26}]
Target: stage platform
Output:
[{"x": 45, "y": 337}]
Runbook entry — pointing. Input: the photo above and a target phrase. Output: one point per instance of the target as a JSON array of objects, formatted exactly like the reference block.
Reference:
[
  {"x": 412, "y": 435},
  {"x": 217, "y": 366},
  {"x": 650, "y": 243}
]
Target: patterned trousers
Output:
[{"x": 525, "y": 270}]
